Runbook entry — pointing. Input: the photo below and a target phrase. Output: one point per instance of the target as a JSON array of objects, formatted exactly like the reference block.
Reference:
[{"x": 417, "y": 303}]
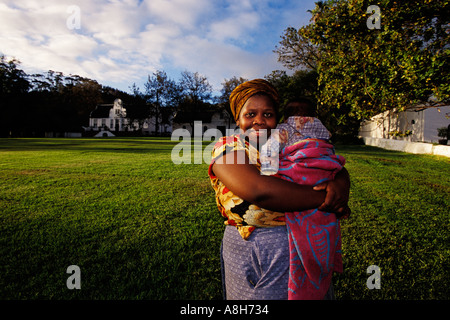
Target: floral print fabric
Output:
[{"x": 238, "y": 212}]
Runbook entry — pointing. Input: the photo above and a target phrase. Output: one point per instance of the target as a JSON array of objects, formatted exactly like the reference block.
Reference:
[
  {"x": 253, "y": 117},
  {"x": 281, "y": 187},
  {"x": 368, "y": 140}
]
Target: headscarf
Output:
[{"x": 244, "y": 91}]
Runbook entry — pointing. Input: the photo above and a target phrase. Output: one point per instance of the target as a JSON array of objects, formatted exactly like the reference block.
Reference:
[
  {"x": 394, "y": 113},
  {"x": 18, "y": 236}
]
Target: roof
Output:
[{"x": 101, "y": 111}]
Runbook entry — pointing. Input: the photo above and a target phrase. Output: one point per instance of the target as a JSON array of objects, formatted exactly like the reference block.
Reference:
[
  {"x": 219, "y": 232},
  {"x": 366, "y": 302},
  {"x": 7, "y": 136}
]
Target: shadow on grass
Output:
[{"x": 114, "y": 145}]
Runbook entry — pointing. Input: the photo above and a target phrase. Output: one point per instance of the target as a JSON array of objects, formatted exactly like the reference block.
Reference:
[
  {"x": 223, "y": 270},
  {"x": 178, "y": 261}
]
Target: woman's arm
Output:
[{"x": 267, "y": 192}]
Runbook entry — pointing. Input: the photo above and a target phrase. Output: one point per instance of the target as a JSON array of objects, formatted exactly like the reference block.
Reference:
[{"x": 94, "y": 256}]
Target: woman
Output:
[{"x": 255, "y": 247}]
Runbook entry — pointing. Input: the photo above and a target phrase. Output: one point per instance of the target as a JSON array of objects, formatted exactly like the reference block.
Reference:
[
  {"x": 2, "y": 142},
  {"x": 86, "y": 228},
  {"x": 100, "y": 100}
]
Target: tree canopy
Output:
[
  {"x": 53, "y": 102},
  {"x": 366, "y": 66},
  {"x": 31, "y": 105}
]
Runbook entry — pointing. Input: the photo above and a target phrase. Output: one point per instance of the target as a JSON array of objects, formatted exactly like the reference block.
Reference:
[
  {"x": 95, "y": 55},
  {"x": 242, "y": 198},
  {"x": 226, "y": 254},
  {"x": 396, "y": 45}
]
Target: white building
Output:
[
  {"x": 109, "y": 117},
  {"x": 210, "y": 119},
  {"x": 113, "y": 117},
  {"x": 418, "y": 124}
]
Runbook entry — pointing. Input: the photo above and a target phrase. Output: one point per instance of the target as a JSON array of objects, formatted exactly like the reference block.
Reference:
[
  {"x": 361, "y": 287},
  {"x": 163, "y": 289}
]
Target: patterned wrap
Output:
[
  {"x": 238, "y": 212},
  {"x": 299, "y": 128},
  {"x": 307, "y": 158},
  {"x": 314, "y": 236}
]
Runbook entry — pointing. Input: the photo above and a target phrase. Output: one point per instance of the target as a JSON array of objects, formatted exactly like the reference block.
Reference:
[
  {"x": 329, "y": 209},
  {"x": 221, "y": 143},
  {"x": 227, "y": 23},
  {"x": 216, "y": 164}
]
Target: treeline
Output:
[{"x": 33, "y": 104}]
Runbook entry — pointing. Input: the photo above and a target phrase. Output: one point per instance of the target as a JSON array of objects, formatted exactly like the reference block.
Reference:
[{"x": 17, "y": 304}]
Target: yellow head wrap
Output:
[{"x": 244, "y": 91}]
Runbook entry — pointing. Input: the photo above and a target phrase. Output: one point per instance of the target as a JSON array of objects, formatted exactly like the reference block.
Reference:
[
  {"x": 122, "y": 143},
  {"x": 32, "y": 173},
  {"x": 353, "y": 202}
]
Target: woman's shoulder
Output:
[
  {"x": 231, "y": 139},
  {"x": 235, "y": 143},
  {"x": 230, "y": 143}
]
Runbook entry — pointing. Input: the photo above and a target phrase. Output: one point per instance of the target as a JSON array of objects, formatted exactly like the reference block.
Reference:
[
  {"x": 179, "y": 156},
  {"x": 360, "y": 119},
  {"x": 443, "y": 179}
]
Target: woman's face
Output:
[{"x": 258, "y": 113}]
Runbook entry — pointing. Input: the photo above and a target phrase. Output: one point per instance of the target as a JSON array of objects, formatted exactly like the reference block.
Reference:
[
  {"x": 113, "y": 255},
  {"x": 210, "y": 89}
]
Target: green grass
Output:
[
  {"x": 138, "y": 226},
  {"x": 141, "y": 227},
  {"x": 400, "y": 223}
]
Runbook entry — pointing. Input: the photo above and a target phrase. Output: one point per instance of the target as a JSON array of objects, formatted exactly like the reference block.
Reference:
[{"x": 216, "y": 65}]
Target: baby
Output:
[
  {"x": 300, "y": 123},
  {"x": 300, "y": 151}
]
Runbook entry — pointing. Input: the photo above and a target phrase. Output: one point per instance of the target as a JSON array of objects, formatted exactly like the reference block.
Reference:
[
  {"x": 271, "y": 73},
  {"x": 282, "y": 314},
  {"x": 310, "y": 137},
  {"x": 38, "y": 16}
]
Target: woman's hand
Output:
[{"x": 338, "y": 192}]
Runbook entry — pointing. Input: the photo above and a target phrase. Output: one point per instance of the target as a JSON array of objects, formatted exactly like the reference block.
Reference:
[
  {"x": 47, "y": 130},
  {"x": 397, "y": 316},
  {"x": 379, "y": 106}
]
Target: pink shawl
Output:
[{"x": 314, "y": 236}]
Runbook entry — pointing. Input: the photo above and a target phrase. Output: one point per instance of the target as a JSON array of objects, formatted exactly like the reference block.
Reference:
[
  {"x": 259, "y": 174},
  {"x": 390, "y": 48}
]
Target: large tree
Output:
[
  {"x": 223, "y": 100},
  {"x": 296, "y": 50},
  {"x": 161, "y": 93},
  {"x": 302, "y": 83},
  {"x": 14, "y": 86},
  {"x": 366, "y": 66},
  {"x": 196, "y": 94},
  {"x": 195, "y": 87}
]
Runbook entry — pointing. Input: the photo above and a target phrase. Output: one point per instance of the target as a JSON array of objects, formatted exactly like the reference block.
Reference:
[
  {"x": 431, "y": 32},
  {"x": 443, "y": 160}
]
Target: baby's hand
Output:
[
  {"x": 336, "y": 199},
  {"x": 343, "y": 213}
]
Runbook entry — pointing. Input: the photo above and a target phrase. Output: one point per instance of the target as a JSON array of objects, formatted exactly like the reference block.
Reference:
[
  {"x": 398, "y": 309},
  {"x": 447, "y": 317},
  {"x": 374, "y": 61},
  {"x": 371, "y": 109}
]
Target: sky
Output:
[{"x": 121, "y": 42}]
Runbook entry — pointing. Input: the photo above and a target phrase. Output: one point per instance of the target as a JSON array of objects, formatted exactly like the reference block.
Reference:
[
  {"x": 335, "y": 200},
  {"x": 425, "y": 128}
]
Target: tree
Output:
[
  {"x": 363, "y": 71},
  {"x": 400, "y": 65},
  {"x": 60, "y": 103},
  {"x": 14, "y": 86},
  {"x": 302, "y": 83},
  {"x": 79, "y": 95},
  {"x": 160, "y": 92},
  {"x": 223, "y": 101},
  {"x": 296, "y": 50},
  {"x": 195, "y": 87},
  {"x": 196, "y": 94},
  {"x": 13, "y": 81}
]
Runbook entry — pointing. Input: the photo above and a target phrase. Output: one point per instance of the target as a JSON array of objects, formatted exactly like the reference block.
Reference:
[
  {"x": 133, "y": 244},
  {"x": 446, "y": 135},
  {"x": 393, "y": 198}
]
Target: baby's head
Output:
[{"x": 301, "y": 107}]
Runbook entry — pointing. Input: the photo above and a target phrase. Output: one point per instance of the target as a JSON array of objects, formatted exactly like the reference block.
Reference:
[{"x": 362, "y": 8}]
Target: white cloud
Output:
[
  {"x": 71, "y": 46},
  {"x": 219, "y": 61},
  {"x": 119, "y": 18},
  {"x": 184, "y": 13},
  {"x": 236, "y": 27},
  {"x": 122, "y": 41}
]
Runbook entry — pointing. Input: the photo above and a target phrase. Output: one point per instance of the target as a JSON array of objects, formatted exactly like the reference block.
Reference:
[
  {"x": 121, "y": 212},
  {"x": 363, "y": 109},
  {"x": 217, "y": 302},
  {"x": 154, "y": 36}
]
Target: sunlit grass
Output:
[
  {"x": 141, "y": 227},
  {"x": 400, "y": 222}
]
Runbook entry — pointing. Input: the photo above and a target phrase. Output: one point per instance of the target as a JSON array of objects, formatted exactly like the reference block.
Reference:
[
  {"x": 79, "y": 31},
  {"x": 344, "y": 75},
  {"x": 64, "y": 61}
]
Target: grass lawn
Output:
[{"x": 141, "y": 227}]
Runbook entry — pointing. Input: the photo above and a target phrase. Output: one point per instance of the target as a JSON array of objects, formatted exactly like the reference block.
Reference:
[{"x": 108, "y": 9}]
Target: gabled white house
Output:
[
  {"x": 110, "y": 117},
  {"x": 113, "y": 117}
]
